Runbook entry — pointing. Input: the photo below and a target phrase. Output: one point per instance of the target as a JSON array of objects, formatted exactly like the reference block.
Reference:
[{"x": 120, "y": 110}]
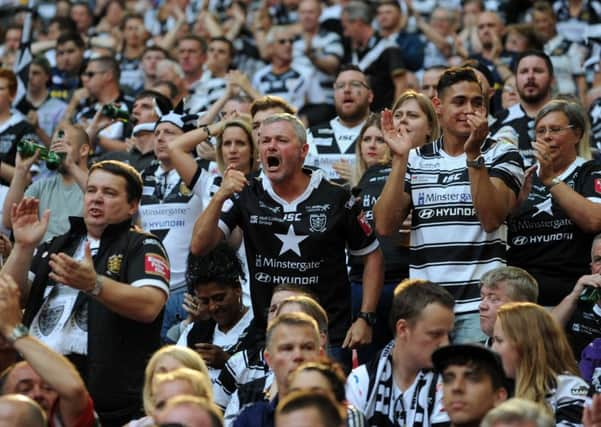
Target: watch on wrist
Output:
[
  {"x": 477, "y": 163},
  {"x": 553, "y": 183},
  {"x": 207, "y": 130},
  {"x": 18, "y": 332},
  {"x": 369, "y": 317},
  {"x": 97, "y": 289}
]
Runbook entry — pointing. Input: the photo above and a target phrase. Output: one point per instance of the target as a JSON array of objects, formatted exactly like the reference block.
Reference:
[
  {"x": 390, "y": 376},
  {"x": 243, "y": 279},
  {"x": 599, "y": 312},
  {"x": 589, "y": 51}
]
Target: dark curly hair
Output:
[{"x": 221, "y": 265}]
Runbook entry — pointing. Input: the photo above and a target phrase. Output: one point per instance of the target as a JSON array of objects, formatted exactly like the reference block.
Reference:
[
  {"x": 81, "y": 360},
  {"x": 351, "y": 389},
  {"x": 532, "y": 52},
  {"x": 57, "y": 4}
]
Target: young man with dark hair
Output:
[
  {"x": 473, "y": 382},
  {"x": 70, "y": 49},
  {"x": 215, "y": 281},
  {"x": 461, "y": 188},
  {"x": 212, "y": 84},
  {"x": 397, "y": 387}
]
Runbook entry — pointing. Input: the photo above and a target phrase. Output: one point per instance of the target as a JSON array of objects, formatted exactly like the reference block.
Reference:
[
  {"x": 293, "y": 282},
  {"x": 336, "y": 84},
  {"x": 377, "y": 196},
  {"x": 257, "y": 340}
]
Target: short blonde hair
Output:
[
  {"x": 199, "y": 381},
  {"x": 187, "y": 357}
]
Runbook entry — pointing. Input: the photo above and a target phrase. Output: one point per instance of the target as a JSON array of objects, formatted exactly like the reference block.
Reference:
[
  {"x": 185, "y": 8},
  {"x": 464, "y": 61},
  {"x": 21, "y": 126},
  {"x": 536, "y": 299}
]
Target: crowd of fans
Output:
[{"x": 300, "y": 213}]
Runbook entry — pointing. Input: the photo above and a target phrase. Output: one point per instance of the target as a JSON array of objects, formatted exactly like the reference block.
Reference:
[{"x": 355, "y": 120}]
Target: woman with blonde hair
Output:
[
  {"x": 166, "y": 359},
  {"x": 536, "y": 354}
]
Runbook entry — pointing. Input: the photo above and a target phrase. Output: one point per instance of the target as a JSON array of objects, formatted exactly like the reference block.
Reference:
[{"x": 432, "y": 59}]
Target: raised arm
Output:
[
  {"x": 28, "y": 232},
  {"x": 18, "y": 184},
  {"x": 491, "y": 197},
  {"x": 54, "y": 368},
  {"x": 393, "y": 205},
  {"x": 207, "y": 233}
]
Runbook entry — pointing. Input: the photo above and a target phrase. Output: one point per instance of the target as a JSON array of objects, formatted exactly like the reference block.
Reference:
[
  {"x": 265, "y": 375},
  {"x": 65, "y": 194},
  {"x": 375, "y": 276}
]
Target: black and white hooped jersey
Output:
[
  {"x": 322, "y": 44},
  {"x": 515, "y": 126},
  {"x": 241, "y": 368},
  {"x": 169, "y": 208},
  {"x": 329, "y": 143},
  {"x": 543, "y": 239},
  {"x": 206, "y": 92},
  {"x": 568, "y": 399},
  {"x": 301, "y": 242},
  {"x": 292, "y": 85},
  {"x": 448, "y": 244}
]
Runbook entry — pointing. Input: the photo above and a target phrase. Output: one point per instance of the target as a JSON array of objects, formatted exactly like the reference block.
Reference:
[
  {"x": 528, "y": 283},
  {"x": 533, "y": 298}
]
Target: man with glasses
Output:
[
  {"x": 101, "y": 79},
  {"x": 534, "y": 79},
  {"x": 280, "y": 78},
  {"x": 332, "y": 144}
]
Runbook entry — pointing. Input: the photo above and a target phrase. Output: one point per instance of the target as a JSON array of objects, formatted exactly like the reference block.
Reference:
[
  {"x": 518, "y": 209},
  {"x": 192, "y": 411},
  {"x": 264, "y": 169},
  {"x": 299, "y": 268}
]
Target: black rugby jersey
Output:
[
  {"x": 545, "y": 242},
  {"x": 302, "y": 242}
]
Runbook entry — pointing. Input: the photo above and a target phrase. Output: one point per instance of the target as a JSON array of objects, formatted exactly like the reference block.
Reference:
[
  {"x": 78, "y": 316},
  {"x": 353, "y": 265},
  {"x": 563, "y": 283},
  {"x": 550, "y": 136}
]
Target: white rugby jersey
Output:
[{"x": 448, "y": 244}]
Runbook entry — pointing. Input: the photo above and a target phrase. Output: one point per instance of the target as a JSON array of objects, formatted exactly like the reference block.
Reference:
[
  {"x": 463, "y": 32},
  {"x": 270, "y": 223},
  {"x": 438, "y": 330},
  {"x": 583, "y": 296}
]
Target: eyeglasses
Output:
[
  {"x": 553, "y": 130},
  {"x": 284, "y": 41},
  {"x": 90, "y": 74},
  {"x": 353, "y": 84}
]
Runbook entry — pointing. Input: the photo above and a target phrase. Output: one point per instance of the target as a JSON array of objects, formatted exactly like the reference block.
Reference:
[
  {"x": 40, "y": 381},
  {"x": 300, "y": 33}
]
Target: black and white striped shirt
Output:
[
  {"x": 324, "y": 43},
  {"x": 292, "y": 85},
  {"x": 448, "y": 244}
]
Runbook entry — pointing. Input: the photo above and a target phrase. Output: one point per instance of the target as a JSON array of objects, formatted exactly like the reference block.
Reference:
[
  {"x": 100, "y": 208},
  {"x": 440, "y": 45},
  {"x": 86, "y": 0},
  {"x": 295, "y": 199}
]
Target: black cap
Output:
[{"x": 449, "y": 354}]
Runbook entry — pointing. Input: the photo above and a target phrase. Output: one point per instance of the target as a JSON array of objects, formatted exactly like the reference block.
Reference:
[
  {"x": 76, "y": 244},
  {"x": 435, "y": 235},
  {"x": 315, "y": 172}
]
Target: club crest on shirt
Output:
[
  {"x": 184, "y": 190},
  {"x": 317, "y": 222},
  {"x": 113, "y": 264}
]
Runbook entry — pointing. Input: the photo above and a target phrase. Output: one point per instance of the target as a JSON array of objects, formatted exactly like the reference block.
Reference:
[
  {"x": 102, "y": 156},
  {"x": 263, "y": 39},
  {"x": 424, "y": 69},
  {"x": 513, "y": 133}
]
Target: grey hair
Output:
[
  {"x": 522, "y": 287},
  {"x": 358, "y": 11},
  {"x": 299, "y": 128},
  {"x": 577, "y": 118},
  {"x": 170, "y": 64},
  {"x": 517, "y": 409}
]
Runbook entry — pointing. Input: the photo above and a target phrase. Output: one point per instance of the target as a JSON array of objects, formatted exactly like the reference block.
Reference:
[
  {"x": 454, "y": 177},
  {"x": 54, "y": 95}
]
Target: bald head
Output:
[{"x": 20, "y": 411}]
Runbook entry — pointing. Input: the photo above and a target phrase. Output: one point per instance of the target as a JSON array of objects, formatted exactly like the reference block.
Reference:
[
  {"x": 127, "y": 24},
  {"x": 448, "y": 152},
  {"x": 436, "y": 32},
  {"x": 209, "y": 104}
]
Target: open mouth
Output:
[{"x": 273, "y": 162}]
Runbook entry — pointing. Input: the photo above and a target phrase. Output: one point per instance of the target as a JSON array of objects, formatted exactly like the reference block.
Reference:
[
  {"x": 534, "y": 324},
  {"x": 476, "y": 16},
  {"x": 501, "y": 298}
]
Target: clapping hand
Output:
[
  {"x": 28, "y": 229},
  {"x": 397, "y": 139}
]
